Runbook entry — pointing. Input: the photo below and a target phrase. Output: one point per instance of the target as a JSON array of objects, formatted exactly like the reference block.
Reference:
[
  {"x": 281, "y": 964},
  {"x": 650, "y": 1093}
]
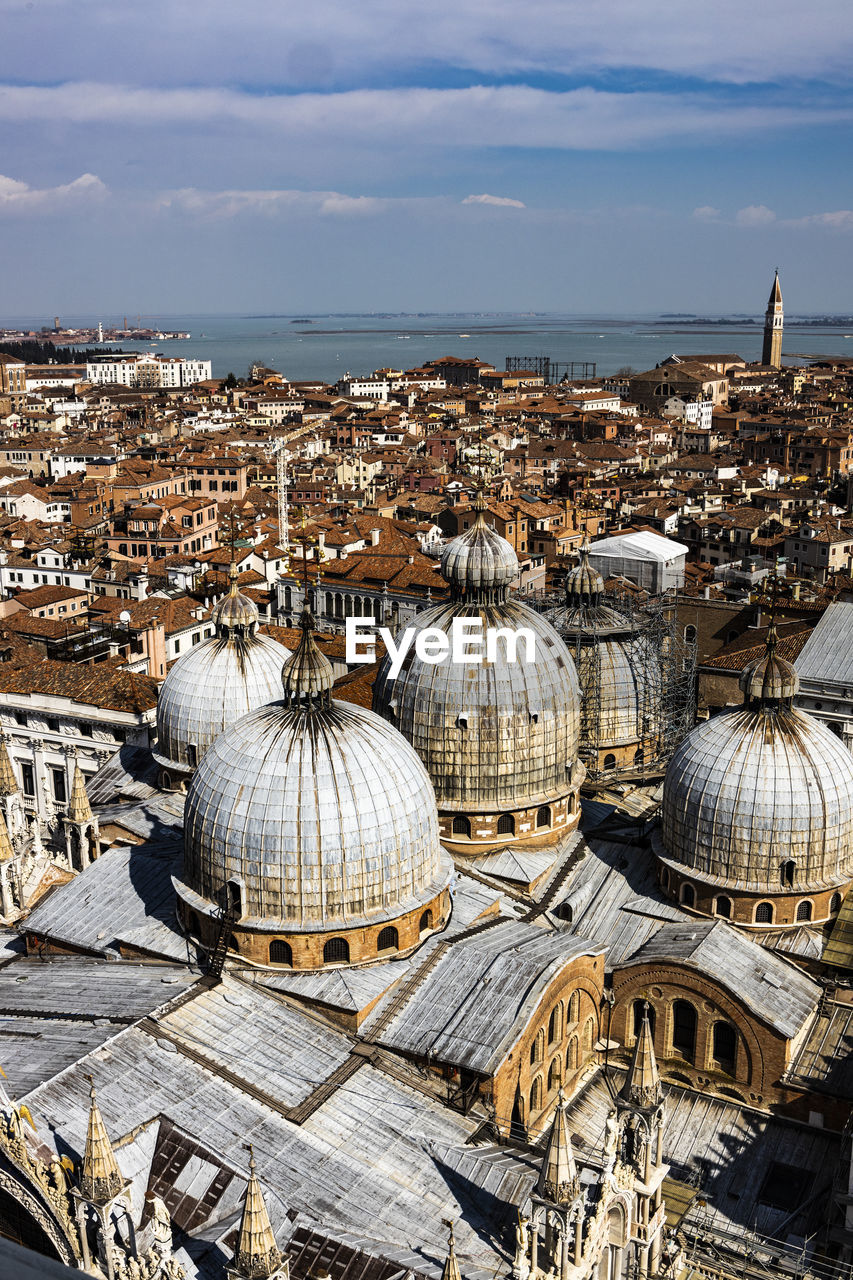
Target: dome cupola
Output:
[
  {"x": 316, "y": 821},
  {"x": 499, "y": 737},
  {"x": 757, "y": 813},
  {"x": 213, "y": 685},
  {"x": 479, "y": 565}
]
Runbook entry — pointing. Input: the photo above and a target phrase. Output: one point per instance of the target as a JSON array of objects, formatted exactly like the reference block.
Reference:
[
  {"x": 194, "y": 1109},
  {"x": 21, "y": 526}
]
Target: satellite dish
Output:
[{"x": 124, "y": 617}]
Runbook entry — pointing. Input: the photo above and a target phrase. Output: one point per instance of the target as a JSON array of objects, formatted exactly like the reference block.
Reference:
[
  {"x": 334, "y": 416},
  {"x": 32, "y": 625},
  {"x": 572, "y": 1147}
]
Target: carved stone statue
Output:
[
  {"x": 611, "y": 1134},
  {"x": 521, "y": 1265}
]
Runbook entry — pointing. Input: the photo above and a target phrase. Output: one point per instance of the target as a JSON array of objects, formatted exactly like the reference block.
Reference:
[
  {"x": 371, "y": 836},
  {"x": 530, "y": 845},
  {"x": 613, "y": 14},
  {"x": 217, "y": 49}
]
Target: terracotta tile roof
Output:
[{"x": 98, "y": 686}]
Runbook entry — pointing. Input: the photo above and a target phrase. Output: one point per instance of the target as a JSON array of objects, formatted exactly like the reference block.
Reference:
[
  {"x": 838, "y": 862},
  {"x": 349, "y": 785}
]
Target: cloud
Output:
[
  {"x": 20, "y": 197},
  {"x": 504, "y": 202},
  {"x": 233, "y": 202},
  {"x": 337, "y": 43},
  {"x": 478, "y": 116},
  {"x": 755, "y": 215},
  {"x": 706, "y": 213},
  {"x": 838, "y": 220}
]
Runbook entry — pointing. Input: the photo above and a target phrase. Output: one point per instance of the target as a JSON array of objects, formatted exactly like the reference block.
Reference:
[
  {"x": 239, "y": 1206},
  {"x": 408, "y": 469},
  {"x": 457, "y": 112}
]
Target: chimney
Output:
[
  {"x": 795, "y": 591},
  {"x": 374, "y": 537}
]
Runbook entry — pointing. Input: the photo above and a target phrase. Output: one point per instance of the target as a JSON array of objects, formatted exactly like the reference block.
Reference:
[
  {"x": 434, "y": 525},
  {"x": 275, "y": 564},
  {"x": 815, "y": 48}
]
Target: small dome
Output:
[
  {"x": 479, "y": 561},
  {"x": 210, "y": 688},
  {"x": 755, "y": 788},
  {"x": 771, "y": 679},
  {"x": 235, "y": 610},
  {"x": 320, "y": 810},
  {"x": 307, "y": 675},
  {"x": 584, "y": 584}
]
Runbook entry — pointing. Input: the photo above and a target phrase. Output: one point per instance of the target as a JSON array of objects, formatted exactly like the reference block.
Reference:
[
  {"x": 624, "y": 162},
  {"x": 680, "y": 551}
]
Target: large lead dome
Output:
[
  {"x": 217, "y": 682},
  {"x": 499, "y": 739},
  {"x": 620, "y": 676},
  {"x": 322, "y": 820},
  {"x": 758, "y": 803}
]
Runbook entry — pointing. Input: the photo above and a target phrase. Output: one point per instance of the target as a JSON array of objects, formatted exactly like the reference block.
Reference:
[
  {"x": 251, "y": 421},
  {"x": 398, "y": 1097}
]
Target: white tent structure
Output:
[{"x": 652, "y": 561}]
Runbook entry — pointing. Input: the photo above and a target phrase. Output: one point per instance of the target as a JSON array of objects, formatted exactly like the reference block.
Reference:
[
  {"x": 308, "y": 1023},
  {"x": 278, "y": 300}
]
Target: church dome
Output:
[
  {"x": 499, "y": 739},
  {"x": 215, "y": 683},
  {"x": 760, "y": 799},
  {"x": 319, "y": 811},
  {"x": 480, "y": 560}
]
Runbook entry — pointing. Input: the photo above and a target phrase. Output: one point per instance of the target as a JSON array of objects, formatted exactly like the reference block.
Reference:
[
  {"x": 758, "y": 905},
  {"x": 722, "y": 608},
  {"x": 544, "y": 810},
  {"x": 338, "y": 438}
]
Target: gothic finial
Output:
[
  {"x": 257, "y": 1256},
  {"x": 100, "y": 1178},
  {"x": 8, "y": 781},
  {"x": 79, "y": 809},
  {"x": 558, "y": 1177},
  {"x": 642, "y": 1087},
  {"x": 450, "y": 1271}
]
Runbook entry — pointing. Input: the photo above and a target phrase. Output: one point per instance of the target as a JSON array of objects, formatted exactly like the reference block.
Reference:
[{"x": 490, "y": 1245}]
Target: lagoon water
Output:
[{"x": 328, "y": 346}]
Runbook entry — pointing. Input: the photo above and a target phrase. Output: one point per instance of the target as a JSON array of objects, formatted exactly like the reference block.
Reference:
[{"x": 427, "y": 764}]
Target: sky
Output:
[{"x": 605, "y": 157}]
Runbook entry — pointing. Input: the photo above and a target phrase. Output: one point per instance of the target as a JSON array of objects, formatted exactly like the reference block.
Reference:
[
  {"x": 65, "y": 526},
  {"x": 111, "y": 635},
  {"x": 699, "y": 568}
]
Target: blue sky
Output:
[{"x": 612, "y": 156}]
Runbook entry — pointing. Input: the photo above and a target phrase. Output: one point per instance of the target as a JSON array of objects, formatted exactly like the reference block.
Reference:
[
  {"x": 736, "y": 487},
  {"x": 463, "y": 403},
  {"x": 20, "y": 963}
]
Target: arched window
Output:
[
  {"x": 688, "y": 895},
  {"x": 572, "y": 1055},
  {"x": 724, "y": 1047},
  {"x": 639, "y": 757},
  {"x": 804, "y": 910},
  {"x": 690, "y": 634},
  {"x": 536, "y": 1096},
  {"x": 281, "y": 952},
  {"x": 588, "y": 1028},
  {"x": 193, "y": 925},
  {"x": 563, "y": 911},
  {"x": 543, "y": 816},
  {"x": 336, "y": 951},
  {"x": 639, "y": 1006},
  {"x": 723, "y": 907},
  {"x": 787, "y": 872},
  {"x": 425, "y": 921},
  {"x": 609, "y": 761},
  {"x": 835, "y": 904},
  {"x": 506, "y": 825},
  {"x": 462, "y": 826},
  {"x": 664, "y": 878},
  {"x": 233, "y": 944},
  {"x": 574, "y": 1007},
  {"x": 764, "y": 913},
  {"x": 388, "y": 940},
  {"x": 555, "y": 1024},
  {"x": 554, "y": 1075},
  {"x": 684, "y": 1029}
]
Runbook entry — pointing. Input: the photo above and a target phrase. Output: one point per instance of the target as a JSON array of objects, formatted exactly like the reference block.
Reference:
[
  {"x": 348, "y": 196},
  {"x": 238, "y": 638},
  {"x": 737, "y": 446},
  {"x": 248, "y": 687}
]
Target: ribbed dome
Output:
[
  {"x": 624, "y": 678},
  {"x": 492, "y": 735},
  {"x": 234, "y": 610},
  {"x": 755, "y": 788},
  {"x": 584, "y": 584},
  {"x": 479, "y": 560},
  {"x": 210, "y": 688},
  {"x": 771, "y": 679},
  {"x": 325, "y": 815}
]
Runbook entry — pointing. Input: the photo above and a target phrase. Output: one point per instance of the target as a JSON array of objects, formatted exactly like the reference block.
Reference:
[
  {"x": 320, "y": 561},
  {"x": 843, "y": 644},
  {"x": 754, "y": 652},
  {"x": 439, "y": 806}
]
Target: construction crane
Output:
[{"x": 278, "y": 451}]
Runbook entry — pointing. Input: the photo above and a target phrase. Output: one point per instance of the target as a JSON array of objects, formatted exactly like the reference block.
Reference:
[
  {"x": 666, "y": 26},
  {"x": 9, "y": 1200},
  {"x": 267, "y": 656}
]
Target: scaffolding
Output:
[
  {"x": 553, "y": 371},
  {"x": 625, "y": 648}
]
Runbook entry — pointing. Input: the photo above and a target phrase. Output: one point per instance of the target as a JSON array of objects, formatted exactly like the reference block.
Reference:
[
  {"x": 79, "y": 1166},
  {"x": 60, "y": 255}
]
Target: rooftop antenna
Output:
[{"x": 279, "y": 452}]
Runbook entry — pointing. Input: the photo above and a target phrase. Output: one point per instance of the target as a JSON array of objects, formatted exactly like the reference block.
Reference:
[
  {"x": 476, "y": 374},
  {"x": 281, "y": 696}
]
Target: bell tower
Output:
[{"x": 771, "y": 353}]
